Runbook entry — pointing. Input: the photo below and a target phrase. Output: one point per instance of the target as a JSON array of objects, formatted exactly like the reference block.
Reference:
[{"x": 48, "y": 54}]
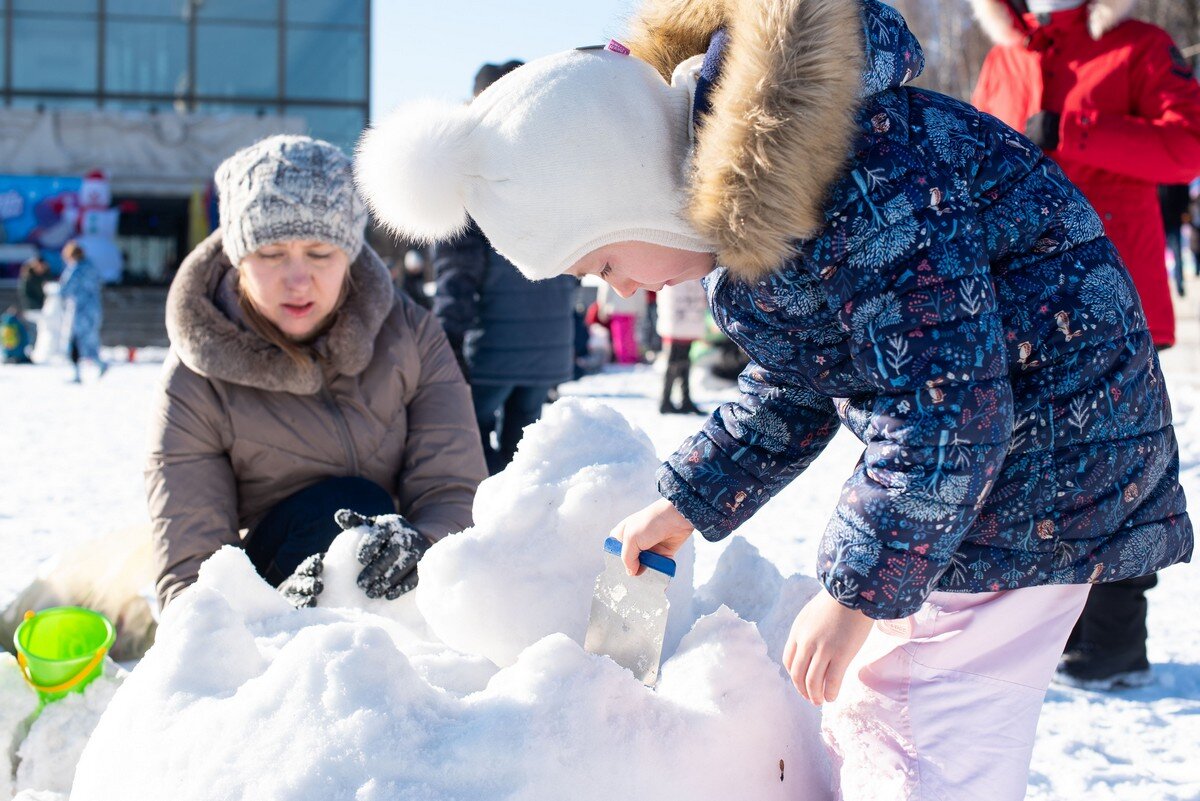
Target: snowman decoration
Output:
[{"x": 98, "y": 226}]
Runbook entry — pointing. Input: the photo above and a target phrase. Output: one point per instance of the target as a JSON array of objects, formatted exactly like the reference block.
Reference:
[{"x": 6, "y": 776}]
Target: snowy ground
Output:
[{"x": 74, "y": 470}]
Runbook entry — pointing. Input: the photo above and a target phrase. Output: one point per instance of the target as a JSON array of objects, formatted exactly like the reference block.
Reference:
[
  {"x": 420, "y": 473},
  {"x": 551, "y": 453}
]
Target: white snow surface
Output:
[
  {"x": 366, "y": 692},
  {"x": 237, "y": 679}
]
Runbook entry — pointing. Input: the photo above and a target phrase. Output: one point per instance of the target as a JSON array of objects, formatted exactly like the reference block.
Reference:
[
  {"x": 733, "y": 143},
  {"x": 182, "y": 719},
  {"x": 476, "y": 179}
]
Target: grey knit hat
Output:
[{"x": 289, "y": 187}]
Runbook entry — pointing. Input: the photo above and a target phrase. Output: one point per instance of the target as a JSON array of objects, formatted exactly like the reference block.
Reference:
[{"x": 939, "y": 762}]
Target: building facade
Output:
[{"x": 157, "y": 92}]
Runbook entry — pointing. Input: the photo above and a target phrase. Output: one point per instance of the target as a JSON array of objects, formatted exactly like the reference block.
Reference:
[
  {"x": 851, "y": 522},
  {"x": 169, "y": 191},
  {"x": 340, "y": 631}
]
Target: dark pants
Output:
[
  {"x": 302, "y": 524},
  {"x": 505, "y": 409},
  {"x": 679, "y": 367},
  {"x": 1114, "y": 619}
]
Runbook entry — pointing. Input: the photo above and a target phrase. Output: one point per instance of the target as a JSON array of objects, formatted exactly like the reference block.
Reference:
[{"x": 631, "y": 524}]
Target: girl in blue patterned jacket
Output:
[{"x": 893, "y": 261}]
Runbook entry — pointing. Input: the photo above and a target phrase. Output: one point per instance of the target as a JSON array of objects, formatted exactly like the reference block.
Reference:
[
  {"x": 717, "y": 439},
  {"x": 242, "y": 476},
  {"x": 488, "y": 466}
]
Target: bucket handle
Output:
[{"x": 67, "y": 685}]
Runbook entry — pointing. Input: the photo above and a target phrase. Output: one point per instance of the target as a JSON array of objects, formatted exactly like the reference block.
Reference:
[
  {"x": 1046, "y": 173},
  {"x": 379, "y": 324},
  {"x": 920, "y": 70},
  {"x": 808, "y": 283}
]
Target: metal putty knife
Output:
[{"x": 629, "y": 613}]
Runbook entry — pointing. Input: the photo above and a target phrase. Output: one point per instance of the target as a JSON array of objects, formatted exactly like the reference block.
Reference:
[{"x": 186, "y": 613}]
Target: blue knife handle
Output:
[{"x": 654, "y": 561}]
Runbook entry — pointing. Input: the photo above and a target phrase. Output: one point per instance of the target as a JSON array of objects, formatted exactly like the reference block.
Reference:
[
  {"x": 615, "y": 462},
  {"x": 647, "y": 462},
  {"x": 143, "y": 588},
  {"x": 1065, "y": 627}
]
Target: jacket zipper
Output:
[{"x": 343, "y": 427}]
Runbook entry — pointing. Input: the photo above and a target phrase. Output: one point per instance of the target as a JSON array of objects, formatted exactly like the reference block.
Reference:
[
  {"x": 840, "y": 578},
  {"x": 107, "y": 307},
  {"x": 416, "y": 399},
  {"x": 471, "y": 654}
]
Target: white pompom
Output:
[{"x": 412, "y": 168}]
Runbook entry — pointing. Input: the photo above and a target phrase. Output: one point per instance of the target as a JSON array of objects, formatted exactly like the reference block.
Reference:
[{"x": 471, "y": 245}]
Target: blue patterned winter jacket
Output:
[{"x": 956, "y": 305}]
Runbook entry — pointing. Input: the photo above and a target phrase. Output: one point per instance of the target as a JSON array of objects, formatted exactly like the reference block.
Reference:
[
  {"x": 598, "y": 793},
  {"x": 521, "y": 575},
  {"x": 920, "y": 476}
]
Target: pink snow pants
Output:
[
  {"x": 624, "y": 340},
  {"x": 944, "y": 705}
]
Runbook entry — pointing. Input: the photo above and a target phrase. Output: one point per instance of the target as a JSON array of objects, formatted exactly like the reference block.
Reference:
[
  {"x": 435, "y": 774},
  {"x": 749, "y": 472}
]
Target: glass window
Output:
[
  {"x": 341, "y": 126},
  {"x": 326, "y": 64},
  {"x": 74, "y": 6},
  {"x": 253, "y": 72},
  {"x": 155, "y": 106},
  {"x": 328, "y": 12},
  {"x": 3, "y": 44},
  {"x": 238, "y": 9},
  {"x": 256, "y": 109},
  {"x": 48, "y": 103},
  {"x": 54, "y": 53},
  {"x": 147, "y": 8},
  {"x": 145, "y": 57}
]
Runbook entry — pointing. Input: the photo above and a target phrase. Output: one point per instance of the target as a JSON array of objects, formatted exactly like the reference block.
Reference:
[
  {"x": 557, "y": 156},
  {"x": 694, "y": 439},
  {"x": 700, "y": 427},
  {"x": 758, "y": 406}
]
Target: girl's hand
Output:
[
  {"x": 658, "y": 528},
  {"x": 824, "y": 639}
]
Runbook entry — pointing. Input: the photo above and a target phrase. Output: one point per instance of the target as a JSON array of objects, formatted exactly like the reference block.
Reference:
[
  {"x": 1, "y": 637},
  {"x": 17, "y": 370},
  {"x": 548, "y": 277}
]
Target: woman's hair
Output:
[
  {"x": 299, "y": 352},
  {"x": 72, "y": 251}
]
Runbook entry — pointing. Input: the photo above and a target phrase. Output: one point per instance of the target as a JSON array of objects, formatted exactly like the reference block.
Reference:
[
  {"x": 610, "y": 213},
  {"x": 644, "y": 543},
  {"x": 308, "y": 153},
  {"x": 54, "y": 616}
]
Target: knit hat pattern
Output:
[
  {"x": 286, "y": 188},
  {"x": 562, "y": 156}
]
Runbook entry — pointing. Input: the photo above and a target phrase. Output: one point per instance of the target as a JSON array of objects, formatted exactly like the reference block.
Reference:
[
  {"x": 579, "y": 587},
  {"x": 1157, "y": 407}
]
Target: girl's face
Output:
[
  {"x": 295, "y": 284},
  {"x": 630, "y": 266}
]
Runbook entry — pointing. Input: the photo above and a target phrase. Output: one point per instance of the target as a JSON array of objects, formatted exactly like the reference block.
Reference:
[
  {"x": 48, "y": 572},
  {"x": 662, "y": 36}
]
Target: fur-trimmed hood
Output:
[
  {"x": 1001, "y": 23},
  {"x": 782, "y": 120},
  {"x": 216, "y": 346}
]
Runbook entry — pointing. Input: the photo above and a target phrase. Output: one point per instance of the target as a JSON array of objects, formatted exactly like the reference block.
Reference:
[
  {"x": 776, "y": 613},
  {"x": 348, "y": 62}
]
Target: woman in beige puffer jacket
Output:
[{"x": 300, "y": 382}]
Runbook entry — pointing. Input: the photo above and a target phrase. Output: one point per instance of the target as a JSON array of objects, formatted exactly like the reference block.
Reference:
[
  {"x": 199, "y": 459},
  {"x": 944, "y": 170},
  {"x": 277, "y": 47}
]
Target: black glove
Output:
[
  {"x": 1042, "y": 128},
  {"x": 304, "y": 585},
  {"x": 389, "y": 553}
]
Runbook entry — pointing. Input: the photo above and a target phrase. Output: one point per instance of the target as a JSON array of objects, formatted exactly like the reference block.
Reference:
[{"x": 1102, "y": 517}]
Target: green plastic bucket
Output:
[{"x": 61, "y": 649}]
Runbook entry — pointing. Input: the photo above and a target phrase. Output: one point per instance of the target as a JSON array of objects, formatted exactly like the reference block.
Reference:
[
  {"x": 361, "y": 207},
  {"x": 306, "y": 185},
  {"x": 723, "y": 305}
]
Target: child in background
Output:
[
  {"x": 14, "y": 338},
  {"x": 620, "y": 313},
  {"x": 681, "y": 321},
  {"x": 892, "y": 260}
]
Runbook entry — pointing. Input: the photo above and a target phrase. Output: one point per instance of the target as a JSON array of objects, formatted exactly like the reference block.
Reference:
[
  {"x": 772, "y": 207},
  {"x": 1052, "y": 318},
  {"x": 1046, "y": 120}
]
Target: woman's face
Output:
[
  {"x": 630, "y": 266},
  {"x": 295, "y": 284}
]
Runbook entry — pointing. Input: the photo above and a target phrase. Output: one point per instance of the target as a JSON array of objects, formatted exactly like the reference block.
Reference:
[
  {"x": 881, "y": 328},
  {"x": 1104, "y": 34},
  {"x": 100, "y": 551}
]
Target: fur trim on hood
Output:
[
  {"x": 996, "y": 18},
  {"x": 215, "y": 346},
  {"x": 782, "y": 116}
]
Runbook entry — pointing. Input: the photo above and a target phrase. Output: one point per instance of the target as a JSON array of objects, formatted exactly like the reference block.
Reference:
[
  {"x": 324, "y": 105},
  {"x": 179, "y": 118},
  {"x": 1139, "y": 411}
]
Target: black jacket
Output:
[{"x": 506, "y": 328}]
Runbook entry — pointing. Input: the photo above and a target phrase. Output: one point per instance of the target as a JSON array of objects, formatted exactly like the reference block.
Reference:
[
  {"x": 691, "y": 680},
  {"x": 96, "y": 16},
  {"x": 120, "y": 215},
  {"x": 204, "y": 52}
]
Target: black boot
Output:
[
  {"x": 685, "y": 374},
  {"x": 1107, "y": 650},
  {"x": 666, "y": 406}
]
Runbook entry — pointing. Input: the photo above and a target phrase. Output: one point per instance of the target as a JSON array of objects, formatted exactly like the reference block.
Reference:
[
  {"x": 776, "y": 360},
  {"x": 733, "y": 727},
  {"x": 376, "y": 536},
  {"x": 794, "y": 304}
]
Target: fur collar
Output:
[
  {"x": 215, "y": 346},
  {"x": 782, "y": 116},
  {"x": 996, "y": 17}
]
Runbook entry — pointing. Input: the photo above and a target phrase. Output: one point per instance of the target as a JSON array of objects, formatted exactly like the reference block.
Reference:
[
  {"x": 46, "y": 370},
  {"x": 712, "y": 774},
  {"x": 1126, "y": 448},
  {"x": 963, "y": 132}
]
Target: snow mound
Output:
[
  {"x": 528, "y": 567},
  {"x": 484, "y": 695}
]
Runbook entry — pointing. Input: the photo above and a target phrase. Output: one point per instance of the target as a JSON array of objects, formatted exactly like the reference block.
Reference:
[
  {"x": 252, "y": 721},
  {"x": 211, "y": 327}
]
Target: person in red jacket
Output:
[{"x": 1115, "y": 103}]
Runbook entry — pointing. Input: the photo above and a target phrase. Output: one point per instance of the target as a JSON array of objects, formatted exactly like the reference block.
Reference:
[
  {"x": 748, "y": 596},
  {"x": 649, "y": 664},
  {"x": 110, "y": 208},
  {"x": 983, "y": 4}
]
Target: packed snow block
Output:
[
  {"x": 441, "y": 666},
  {"x": 332, "y": 707},
  {"x": 18, "y": 702},
  {"x": 40, "y": 795},
  {"x": 340, "y": 577},
  {"x": 755, "y": 590},
  {"x": 49, "y": 753},
  {"x": 528, "y": 566},
  {"x": 494, "y": 699}
]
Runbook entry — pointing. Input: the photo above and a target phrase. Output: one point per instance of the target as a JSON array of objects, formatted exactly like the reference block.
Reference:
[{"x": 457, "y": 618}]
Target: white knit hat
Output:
[
  {"x": 559, "y": 157},
  {"x": 288, "y": 187}
]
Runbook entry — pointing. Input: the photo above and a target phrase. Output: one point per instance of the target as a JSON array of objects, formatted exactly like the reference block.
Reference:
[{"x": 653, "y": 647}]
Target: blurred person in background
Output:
[
  {"x": 682, "y": 313},
  {"x": 1175, "y": 201},
  {"x": 514, "y": 338},
  {"x": 31, "y": 285},
  {"x": 80, "y": 289},
  {"x": 1193, "y": 225},
  {"x": 300, "y": 382},
  {"x": 651, "y": 339},
  {"x": 14, "y": 338},
  {"x": 1116, "y": 104},
  {"x": 411, "y": 277},
  {"x": 621, "y": 313}
]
